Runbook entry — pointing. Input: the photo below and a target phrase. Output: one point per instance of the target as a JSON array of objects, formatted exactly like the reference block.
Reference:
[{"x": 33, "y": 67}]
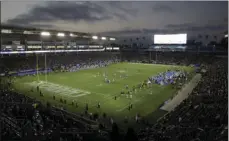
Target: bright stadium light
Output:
[
  {"x": 71, "y": 35},
  {"x": 27, "y": 32},
  {"x": 45, "y": 34},
  {"x": 103, "y": 38},
  {"x": 60, "y": 34},
  {"x": 115, "y": 48},
  {"x": 95, "y": 37},
  {"x": 226, "y": 35},
  {"x": 112, "y": 39},
  {"x": 6, "y": 31}
]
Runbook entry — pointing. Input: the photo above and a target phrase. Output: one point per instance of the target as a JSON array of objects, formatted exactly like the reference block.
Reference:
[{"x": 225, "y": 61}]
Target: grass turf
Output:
[{"x": 90, "y": 87}]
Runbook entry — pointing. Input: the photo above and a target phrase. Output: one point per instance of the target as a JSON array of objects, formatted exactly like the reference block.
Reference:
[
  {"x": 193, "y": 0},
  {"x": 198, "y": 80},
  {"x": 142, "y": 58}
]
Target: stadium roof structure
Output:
[{"x": 9, "y": 29}]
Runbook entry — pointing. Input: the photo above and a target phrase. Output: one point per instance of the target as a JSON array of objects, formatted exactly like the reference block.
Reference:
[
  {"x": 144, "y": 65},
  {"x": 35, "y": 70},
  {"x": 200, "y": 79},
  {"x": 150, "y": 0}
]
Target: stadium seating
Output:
[{"x": 203, "y": 116}]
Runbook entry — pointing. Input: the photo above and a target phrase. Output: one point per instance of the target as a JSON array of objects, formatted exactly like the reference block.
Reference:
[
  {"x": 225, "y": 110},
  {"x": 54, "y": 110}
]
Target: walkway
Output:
[{"x": 182, "y": 94}]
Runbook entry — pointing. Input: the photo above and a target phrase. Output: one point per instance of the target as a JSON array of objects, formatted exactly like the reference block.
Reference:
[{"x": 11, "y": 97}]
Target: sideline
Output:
[{"x": 182, "y": 94}]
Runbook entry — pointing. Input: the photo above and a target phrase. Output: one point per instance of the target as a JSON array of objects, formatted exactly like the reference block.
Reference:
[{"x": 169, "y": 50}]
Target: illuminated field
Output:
[{"x": 88, "y": 86}]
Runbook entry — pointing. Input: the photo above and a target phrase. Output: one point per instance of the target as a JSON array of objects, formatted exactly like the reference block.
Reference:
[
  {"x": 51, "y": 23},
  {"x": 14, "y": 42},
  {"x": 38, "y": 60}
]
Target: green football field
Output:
[{"x": 89, "y": 86}]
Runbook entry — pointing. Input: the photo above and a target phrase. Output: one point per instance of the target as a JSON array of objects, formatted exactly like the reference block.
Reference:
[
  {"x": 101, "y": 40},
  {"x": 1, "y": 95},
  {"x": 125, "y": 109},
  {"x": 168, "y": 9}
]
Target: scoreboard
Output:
[{"x": 170, "y": 39}]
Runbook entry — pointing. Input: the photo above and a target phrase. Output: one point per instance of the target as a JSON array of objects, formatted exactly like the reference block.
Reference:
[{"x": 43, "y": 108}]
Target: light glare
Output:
[
  {"x": 45, "y": 34},
  {"x": 112, "y": 39},
  {"x": 103, "y": 38},
  {"x": 60, "y": 34},
  {"x": 95, "y": 37}
]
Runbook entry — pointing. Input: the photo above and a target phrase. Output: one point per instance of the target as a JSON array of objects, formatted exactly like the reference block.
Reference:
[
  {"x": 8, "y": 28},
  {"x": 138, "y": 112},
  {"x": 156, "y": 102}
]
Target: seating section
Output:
[{"x": 201, "y": 117}]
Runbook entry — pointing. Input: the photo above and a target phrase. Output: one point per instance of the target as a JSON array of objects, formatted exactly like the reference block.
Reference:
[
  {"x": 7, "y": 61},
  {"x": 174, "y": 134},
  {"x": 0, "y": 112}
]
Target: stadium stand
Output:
[
  {"x": 203, "y": 116},
  {"x": 25, "y": 119}
]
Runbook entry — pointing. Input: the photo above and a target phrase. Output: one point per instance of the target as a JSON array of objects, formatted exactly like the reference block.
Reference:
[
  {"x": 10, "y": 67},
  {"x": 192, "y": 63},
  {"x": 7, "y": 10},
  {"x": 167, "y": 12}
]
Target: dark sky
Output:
[{"x": 120, "y": 18}]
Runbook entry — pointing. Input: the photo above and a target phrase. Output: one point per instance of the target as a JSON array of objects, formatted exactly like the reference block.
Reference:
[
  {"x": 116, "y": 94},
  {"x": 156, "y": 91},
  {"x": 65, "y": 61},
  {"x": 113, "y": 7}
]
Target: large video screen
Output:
[{"x": 170, "y": 39}]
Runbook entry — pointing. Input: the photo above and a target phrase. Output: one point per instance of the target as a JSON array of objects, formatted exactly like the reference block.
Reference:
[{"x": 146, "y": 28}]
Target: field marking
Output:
[
  {"x": 99, "y": 85},
  {"x": 60, "y": 90},
  {"x": 79, "y": 95},
  {"x": 121, "y": 71},
  {"x": 57, "y": 89}
]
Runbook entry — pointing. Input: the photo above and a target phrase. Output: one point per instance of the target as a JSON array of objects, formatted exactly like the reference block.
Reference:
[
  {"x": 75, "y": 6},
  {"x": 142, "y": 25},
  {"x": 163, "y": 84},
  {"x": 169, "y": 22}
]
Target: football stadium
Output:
[
  {"x": 64, "y": 85},
  {"x": 104, "y": 86},
  {"x": 113, "y": 87}
]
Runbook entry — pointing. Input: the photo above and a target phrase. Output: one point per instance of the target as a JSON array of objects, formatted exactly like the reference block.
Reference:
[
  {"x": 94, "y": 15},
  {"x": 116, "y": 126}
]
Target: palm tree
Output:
[
  {"x": 199, "y": 37},
  {"x": 131, "y": 42},
  {"x": 124, "y": 41},
  {"x": 215, "y": 37},
  {"x": 206, "y": 37}
]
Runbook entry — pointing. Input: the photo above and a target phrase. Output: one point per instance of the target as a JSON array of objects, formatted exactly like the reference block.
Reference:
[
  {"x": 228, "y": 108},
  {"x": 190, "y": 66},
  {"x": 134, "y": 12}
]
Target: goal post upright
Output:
[
  {"x": 46, "y": 78},
  {"x": 38, "y": 79},
  {"x": 150, "y": 58}
]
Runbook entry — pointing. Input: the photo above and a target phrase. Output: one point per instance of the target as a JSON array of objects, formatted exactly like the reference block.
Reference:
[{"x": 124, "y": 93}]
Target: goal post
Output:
[
  {"x": 37, "y": 66},
  {"x": 46, "y": 78}
]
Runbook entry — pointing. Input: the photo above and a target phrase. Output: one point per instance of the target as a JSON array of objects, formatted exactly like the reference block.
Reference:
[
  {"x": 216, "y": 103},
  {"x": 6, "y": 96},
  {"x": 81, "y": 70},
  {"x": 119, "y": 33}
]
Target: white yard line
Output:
[
  {"x": 60, "y": 90},
  {"x": 80, "y": 95}
]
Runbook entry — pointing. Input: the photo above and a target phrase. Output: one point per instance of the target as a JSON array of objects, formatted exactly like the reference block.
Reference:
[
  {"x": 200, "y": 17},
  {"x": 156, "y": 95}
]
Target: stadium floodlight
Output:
[
  {"x": 115, "y": 48},
  {"x": 73, "y": 35},
  {"x": 27, "y": 32},
  {"x": 60, "y": 34},
  {"x": 95, "y": 37},
  {"x": 103, "y": 38},
  {"x": 112, "y": 39},
  {"x": 6, "y": 31},
  {"x": 45, "y": 34}
]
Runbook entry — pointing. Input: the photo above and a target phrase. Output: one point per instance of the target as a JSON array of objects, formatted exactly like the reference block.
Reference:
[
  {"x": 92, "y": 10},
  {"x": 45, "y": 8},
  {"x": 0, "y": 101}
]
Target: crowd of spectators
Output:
[
  {"x": 201, "y": 117},
  {"x": 64, "y": 62},
  {"x": 24, "y": 118}
]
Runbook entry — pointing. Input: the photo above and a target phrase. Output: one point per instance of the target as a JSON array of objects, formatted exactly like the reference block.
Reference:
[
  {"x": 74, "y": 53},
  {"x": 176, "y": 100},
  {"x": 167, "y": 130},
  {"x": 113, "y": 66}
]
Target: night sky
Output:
[{"x": 120, "y": 18}]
